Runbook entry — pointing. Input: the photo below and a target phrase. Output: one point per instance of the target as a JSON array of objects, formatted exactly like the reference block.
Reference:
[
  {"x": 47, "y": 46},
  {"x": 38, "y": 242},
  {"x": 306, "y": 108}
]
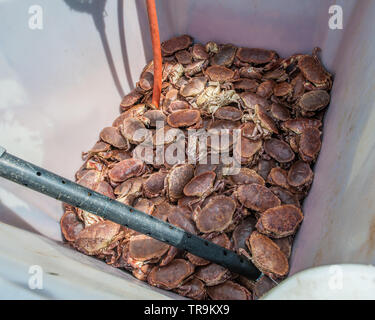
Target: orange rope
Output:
[{"x": 158, "y": 63}]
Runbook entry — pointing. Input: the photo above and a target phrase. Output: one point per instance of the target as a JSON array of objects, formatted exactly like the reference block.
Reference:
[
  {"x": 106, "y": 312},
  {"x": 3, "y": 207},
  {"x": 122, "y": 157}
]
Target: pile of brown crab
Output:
[{"x": 278, "y": 104}]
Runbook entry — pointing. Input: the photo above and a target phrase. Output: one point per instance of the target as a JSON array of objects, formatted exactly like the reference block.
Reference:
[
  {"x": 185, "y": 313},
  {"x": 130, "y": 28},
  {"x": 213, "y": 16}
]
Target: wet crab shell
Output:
[
  {"x": 257, "y": 197},
  {"x": 216, "y": 215},
  {"x": 281, "y": 221},
  {"x": 313, "y": 70},
  {"x": 247, "y": 149},
  {"x": 155, "y": 116},
  {"x": 279, "y": 112},
  {"x": 193, "y": 87},
  {"x": 199, "y": 52},
  {"x": 310, "y": 144},
  {"x": 265, "y": 121},
  {"x": 298, "y": 125},
  {"x": 177, "y": 105},
  {"x": 285, "y": 196},
  {"x": 278, "y": 177},
  {"x": 145, "y": 248},
  {"x": 200, "y": 185},
  {"x": 193, "y": 289},
  {"x": 213, "y": 274},
  {"x": 228, "y": 113},
  {"x": 251, "y": 99},
  {"x": 219, "y": 73},
  {"x": 170, "y": 276},
  {"x": 279, "y": 150},
  {"x": 255, "y": 55},
  {"x": 300, "y": 174},
  {"x": 71, "y": 226},
  {"x": 154, "y": 185},
  {"x": 177, "y": 179},
  {"x": 134, "y": 130},
  {"x": 126, "y": 169},
  {"x": 183, "y": 57},
  {"x": 225, "y": 56},
  {"x": 229, "y": 290},
  {"x": 130, "y": 186},
  {"x": 113, "y": 136},
  {"x": 184, "y": 118},
  {"x": 180, "y": 217},
  {"x": 135, "y": 111},
  {"x": 267, "y": 256},
  {"x": 96, "y": 237},
  {"x": 265, "y": 89},
  {"x": 315, "y": 100},
  {"x": 130, "y": 99},
  {"x": 195, "y": 67},
  {"x": 282, "y": 89},
  {"x": 242, "y": 232},
  {"x": 246, "y": 84},
  {"x": 246, "y": 176},
  {"x": 173, "y": 45}
]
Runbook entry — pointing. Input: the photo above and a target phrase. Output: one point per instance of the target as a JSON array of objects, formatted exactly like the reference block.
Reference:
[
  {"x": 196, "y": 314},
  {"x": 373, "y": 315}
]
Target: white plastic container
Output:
[{"x": 59, "y": 85}]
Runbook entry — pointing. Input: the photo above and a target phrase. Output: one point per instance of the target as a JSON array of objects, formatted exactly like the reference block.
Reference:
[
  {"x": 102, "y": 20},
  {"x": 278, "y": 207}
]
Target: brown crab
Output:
[
  {"x": 219, "y": 73},
  {"x": 173, "y": 45},
  {"x": 193, "y": 289},
  {"x": 279, "y": 150},
  {"x": 225, "y": 56},
  {"x": 126, "y": 169},
  {"x": 280, "y": 221},
  {"x": 300, "y": 175},
  {"x": 267, "y": 256},
  {"x": 256, "y": 56},
  {"x": 170, "y": 276},
  {"x": 256, "y": 197},
  {"x": 216, "y": 215},
  {"x": 213, "y": 274},
  {"x": 177, "y": 179},
  {"x": 314, "y": 101},
  {"x": 229, "y": 290}
]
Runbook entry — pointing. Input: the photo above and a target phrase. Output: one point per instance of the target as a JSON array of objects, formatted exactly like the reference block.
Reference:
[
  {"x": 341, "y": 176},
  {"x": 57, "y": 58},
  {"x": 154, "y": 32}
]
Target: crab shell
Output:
[
  {"x": 216, "y": 215},
  {"x": 228, "y": 113},
  {"x": 154, "y": 185},
  {"x": 267, "y": 256},
  {"x": 313, "y": 70},
  {"x": 193, "y": 289},
  {"x": 279, "y": 150},
  {"x": 199, "y": 52},
  {"x": 280, "y": 221},
  {"x": 279, "y": 112},
  {"x": 126, "y": 169},
  {"x": 285, "y": 196},
  {"x": 310, "y": 144},
  {"x": 219, "y": 73},
  {"x": 112, "y": 136},
  {"x": 250, "y": 100},
  {"x": 213, "y": 274},
  {"x": 266, "y": 89},
  {"x": 97, "y": 237},
  {"x": 71, "y": 226},
  {"x": 180, "y": 217},
  {"x": 298, "y": 125},
  {"x": 282, "y": 89},
  {"x": 315, "y": 100},
  {"x": 184, "y": 118},
  {"x": 278, "y": 177},
  {"x": 193, "y": 87},
  {"x": 177, "y": 179},
  {"x": 170, "y": 276},
  {"x": 242, "y": 232},
  {"x": 257, "y": 197},
  {"x": 225, "y": 56},
  {"x": 229, "y": 290},
  {"x": 145, "y": 248},
  {"x": 184, "y": 57},
  {"x": 130, "y": 99},
  {"x": 255, "y": 55},
  {"x": 247, "y": 150},
  {"x": 300, "y": 174},
  {"x": 134, "y": 130},
  {"x": 200, "y": 185},
  {"x": 173, "y": 45},
  {"x": 246, "y": 84},
  {"x": 246, "y": 176}
]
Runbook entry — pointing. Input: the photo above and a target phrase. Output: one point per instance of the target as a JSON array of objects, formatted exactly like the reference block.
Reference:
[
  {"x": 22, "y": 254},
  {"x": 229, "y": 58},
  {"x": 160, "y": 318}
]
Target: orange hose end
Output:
[{"x": 158, "y": 62}]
